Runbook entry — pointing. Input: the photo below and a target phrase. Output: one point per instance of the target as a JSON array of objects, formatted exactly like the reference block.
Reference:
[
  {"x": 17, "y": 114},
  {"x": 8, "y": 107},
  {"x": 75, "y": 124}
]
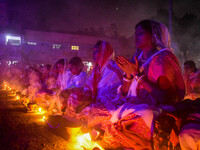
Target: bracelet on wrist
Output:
[
  {"x": 138, "y": 77},
  {"x": 128, "y": 78}
]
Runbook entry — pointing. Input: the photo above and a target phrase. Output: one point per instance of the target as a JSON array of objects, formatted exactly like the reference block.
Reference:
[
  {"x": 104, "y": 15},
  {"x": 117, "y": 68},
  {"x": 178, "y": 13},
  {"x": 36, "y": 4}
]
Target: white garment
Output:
[
  {"x": 77, "y": 81},
  {"x": 68, "y": 80},
  {"x": 107, "y": 88},
  {"x": 63, "y": 79}
]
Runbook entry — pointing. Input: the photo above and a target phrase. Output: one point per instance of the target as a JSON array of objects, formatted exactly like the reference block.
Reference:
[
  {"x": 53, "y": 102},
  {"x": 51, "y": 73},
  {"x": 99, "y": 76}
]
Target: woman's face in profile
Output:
[
  {"x": 143, "y": 38},
  {"x": 187, "y": 70},
  {"x": 96, "y": 54},
  {"x": 60, "y": 68}
]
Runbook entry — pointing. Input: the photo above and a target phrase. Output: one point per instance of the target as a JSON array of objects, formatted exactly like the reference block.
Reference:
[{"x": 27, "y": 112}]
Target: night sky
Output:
[{"x": 74, "y": 15}]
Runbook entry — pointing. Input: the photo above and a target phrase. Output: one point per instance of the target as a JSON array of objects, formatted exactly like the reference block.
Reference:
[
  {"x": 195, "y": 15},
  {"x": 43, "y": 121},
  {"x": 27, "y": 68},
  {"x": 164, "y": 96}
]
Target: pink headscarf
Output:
[{"x": 106, "y": 54}]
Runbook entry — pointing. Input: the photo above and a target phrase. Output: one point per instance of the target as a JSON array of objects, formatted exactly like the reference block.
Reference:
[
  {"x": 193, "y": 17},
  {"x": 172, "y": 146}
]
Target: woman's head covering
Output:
[
  {"x": 160, "y": 34},
  {"x": 106, "y": 53}
]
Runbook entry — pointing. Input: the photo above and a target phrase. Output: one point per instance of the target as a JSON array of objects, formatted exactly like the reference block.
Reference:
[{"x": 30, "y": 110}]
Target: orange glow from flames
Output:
[{"x": 84, "y": 141}]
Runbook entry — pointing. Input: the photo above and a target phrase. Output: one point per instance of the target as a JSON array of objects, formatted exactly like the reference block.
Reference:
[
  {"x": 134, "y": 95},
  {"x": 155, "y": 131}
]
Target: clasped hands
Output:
[{"x": 130, "y": 69}]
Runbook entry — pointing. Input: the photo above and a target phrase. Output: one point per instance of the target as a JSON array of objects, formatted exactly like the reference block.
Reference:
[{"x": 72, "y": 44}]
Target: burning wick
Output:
[
  {"x": 40, "y": 109},
  {"x": 43, "y": 118},
  {"x": 84, "y": 141}
]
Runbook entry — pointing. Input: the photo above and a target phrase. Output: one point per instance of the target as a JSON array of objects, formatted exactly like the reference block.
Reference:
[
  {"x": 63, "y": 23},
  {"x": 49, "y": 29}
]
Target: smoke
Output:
[{"x": 34, "y": 84}]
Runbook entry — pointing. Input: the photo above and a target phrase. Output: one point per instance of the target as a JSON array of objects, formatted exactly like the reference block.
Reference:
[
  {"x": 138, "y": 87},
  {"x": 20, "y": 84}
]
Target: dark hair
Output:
[
  {"x": 98, "y": 43},
  {"x": 191, "y": 64},
  {"x": 61, "y": 61},
  {"x": 76, "y": 61},
  {"x": 48, "y": 66},
  {"x": 146, "y": 25}
]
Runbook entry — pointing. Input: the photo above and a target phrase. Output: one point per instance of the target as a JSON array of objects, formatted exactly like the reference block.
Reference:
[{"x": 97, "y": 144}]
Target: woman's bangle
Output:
[
  {"x": 139, "y": 77},
  {"x": 127, "y": 79}
]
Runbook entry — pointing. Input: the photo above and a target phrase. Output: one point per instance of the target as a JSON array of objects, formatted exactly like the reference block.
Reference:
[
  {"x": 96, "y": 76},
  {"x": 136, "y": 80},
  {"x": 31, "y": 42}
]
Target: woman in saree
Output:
[
  {"x": 152, "y": 80},
  {"x": 100, "y": 90}
]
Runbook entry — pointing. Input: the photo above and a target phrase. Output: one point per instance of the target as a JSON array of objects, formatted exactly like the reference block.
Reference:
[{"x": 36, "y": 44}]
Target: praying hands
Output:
[{"x": 128, "y": 67}]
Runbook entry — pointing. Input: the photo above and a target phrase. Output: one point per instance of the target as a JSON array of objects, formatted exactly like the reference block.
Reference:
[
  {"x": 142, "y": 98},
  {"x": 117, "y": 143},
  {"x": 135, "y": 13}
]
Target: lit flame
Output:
[
  {"x": 40, "y": 109},
  {"x": 43, "y": 119},
  {"x": 17, "y": 97},
  {"x": 84, "y": 141}
]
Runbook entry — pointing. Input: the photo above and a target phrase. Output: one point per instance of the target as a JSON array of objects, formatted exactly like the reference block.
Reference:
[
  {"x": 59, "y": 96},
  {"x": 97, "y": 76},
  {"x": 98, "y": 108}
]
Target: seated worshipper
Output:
[
  {"x": 152, "y": 80},
  {"x": 101, "y": 87},
  {"x": 56, "y": 101},
  {"x": 46, "y": 70},
  {"x": 192, "y": 80},
  {"x": 76, "y": 79},
  {"x": 61, "y": 66},
  {"x": 45, "y": 91}
]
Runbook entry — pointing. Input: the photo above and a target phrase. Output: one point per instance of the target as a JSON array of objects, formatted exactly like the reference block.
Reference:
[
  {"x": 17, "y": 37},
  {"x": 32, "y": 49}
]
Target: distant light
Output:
[
  {"x": 117, "y": 8},
  {"x": 9, "y": 63},
  {"x": 14, "y": 62},
  {"x": 31, "y": 43},
  {"x": 13, "y": 40},
  {"x": 56, "y": 46},
  {"x": 74, "y": 47}
]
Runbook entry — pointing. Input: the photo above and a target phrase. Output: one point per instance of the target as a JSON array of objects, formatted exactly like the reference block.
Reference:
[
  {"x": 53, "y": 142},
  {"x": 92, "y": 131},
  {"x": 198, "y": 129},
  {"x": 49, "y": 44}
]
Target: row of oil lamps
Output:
[
  {"x": 35, "y": 109},
  {"x": 78, "y": 140}
]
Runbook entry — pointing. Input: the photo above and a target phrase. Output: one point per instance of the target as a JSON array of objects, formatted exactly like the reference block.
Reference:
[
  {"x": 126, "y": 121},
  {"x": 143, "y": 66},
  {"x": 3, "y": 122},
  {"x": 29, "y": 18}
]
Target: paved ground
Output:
[{"x": 20, "y": 130}]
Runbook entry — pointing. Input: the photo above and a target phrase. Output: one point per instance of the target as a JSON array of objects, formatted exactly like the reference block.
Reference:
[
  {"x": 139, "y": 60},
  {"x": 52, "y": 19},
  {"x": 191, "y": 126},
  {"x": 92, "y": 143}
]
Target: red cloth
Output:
[{"x": 106, "y": 52}]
